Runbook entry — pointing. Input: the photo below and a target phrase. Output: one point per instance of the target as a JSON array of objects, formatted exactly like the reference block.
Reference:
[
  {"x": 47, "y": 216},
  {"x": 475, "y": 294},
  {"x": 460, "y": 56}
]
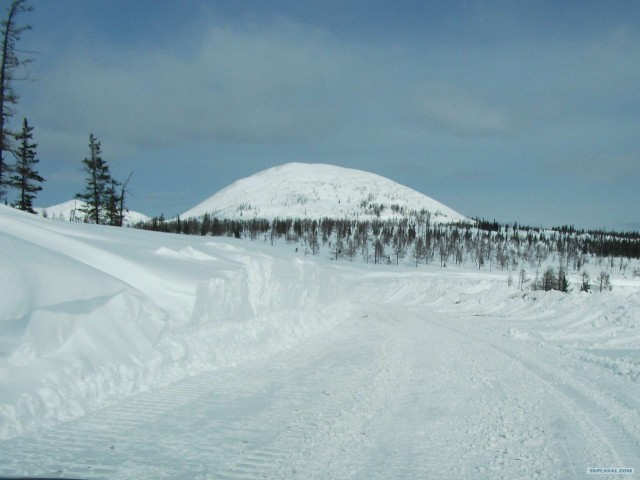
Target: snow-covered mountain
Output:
[
  {"x": 301, "y": 190},
  {"x": 70, "y": 211}
]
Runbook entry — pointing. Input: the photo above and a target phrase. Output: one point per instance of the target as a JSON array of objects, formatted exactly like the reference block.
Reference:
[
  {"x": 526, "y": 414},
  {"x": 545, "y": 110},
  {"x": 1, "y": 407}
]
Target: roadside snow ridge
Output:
[{"x": 303, "y": 190}]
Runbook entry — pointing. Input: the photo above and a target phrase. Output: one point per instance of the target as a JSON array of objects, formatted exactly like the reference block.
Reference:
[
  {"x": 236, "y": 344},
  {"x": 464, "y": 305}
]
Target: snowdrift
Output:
[{"x": 90, "y": 314}]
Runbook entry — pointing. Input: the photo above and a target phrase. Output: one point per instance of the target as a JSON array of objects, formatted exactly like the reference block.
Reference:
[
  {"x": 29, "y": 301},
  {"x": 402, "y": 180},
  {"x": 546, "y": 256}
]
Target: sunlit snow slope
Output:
[
  {"x": 69, "y": 211},
  {"x": 301, "y": 190},
  {"x": 134, "y": 354},
  {"x": 91, "y": 313}
]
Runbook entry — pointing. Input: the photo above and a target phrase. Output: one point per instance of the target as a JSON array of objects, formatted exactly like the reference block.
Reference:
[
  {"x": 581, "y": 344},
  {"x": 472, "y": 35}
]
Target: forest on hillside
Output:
[{"x": 487, "y": 245}]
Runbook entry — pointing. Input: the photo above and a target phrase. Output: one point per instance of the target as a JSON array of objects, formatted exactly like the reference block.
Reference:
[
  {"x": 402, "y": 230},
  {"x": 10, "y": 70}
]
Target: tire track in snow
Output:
[
  {"x": 303, "y": 414},
  {"x": 597, "y": 419},
  {"x": 614, "y": 421},
  {"x": 391, "y": 396},
  {"x": 89, "y": 447},
  {"x": 464, "y": 414},
  {"x": 334, "y": 405}
]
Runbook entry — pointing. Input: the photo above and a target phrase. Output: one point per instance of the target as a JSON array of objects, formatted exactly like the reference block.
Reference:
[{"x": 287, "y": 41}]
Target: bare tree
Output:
[
  {"x": 9, "y": 64},
  {"x": 337, "y": 248},
  {"x": 418, "y": 250},
  {"x": 378, "y": 251},
  {"x": 398, "y": 248},
  {"x": 121, "y": 200},
  {"x": 522, "y": 278}
]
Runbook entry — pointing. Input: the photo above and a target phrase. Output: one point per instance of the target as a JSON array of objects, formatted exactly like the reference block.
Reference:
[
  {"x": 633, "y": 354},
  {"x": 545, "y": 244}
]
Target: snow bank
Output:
[
  {"x": 90, "y": 314},
  {"x": 601, "y": 327}
]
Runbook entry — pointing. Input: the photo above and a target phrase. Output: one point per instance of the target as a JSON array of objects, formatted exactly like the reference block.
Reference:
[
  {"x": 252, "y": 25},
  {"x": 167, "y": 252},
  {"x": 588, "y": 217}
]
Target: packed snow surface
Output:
[
  {"x": 140, "y": 355},
  {"x": 302, "y": 190}
]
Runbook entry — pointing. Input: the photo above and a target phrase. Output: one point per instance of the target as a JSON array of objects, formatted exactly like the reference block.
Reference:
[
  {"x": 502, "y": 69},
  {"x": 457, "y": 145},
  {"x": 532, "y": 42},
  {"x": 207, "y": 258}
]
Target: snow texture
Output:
[
  {"x": 135, "y": 354},
  {"x": 91, "y": 314}
]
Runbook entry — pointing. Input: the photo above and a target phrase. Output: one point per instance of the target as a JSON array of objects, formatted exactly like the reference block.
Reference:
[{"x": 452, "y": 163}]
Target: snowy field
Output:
[{"x": 138, "y": 355}]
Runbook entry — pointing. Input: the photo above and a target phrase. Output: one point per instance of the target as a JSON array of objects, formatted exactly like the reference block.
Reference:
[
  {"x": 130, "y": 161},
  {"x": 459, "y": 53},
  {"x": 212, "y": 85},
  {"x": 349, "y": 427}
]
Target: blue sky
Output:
[{"x": 518, "y": 111}]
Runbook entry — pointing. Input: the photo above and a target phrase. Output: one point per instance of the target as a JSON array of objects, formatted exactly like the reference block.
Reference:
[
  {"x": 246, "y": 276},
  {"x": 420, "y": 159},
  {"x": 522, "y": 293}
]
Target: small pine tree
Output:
[
  {"x": 586, "y": 286},
  {"x": 351, "y": 250},
  {"x": 98, "y": 183},
  {"x": 549, "y": 280},
  {"x": 563, "y": 282},
  {"x": 25, "y": 178},
  {"x": 205, "y": 226},
  {"x": 604, "y": 281}
]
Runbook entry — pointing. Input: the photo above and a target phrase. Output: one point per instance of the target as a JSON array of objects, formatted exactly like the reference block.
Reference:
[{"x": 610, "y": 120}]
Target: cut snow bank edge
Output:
[{"x": 90, "y": 315}]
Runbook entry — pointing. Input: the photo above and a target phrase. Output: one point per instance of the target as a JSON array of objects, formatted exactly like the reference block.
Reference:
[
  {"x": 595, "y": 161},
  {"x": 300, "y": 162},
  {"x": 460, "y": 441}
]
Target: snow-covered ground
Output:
[{"x": 133, "y": 354}]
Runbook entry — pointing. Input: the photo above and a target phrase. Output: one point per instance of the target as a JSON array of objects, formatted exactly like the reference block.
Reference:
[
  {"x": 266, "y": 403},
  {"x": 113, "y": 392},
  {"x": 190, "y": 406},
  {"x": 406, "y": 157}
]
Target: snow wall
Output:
[{"x": 91, "y": 314}]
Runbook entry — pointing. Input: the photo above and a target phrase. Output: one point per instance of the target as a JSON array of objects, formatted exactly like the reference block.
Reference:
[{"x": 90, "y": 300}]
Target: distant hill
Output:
[
  {"x": 300, "y": 190},
  {"x": 69, "y": 211}
]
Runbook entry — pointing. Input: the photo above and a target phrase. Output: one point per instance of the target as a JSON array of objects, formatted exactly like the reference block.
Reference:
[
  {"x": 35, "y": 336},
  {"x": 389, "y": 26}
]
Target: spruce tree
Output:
[
  {"x": 98, "y": 185},
  {"x": 549, "y": 280},
  {"x": 25, "y": 178},
  {"x": 586, "y": 285},
  {"x": 112, "y": 204},
  {"x": 563, "y": 282},
  {"x": 604, "y": 281}
]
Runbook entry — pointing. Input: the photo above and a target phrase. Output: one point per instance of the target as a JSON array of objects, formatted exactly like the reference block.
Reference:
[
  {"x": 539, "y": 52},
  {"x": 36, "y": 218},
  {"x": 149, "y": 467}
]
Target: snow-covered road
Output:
[
  {"x": 136, "y": 355},
  {"x": 393, "y": 392}
]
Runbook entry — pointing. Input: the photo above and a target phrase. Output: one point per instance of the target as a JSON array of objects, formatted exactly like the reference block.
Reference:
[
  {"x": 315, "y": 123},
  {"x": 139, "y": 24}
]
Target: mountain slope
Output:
[
  {"x": 69, "y": 211},
  {"x": 299, "y": 190}
]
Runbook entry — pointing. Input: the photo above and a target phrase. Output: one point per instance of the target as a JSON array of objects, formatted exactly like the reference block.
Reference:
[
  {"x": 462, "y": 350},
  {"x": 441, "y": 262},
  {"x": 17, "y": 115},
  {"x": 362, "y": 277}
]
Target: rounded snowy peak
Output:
[{"x": 304, "y": 190}]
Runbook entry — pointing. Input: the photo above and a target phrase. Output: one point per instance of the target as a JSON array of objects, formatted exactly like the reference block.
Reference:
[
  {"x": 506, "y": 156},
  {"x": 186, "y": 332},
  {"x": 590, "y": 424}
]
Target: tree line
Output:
[
  {"x": 103, "y": 196},
  {"x": 494, "y": 246}
]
